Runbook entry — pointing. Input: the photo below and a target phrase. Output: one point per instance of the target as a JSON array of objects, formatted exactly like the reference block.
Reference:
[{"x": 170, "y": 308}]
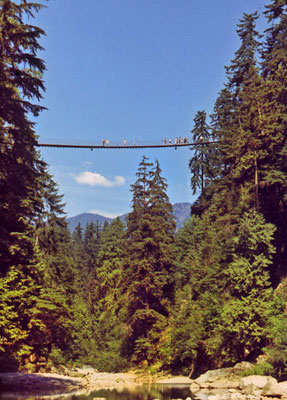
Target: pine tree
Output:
[
  {"x": 199, "y": 163},
  {"x": 202, "y": 251},
  {"x": 110, "y": 257},
  {"x": 21, "y": 177},
  {"x": 91, "y": 243},
  {"x": 241, "y": 328},
  {"x": 21, "y": 328},
  {"x": 20, "y": 82},
  {"x": 148, "y": 265},
  {"x": 222, "y": 129},
  {"x": 274, "y": 186},
  {"x": 163, "y": 224},
  {"x": 80, "y": 257},
  {"x": 246, "y": 82},
  {"x": 240, "y": 129},
  {"x": 109, "y": 327}
]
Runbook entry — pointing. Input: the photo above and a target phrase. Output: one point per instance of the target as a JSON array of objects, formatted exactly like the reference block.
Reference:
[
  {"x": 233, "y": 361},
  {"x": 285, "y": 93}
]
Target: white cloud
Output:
[{"x": 95, "y": 179}]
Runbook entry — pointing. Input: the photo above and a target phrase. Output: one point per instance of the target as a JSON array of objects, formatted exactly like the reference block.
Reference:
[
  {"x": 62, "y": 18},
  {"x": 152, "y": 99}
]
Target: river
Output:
[{"x": 138, "y": 392}]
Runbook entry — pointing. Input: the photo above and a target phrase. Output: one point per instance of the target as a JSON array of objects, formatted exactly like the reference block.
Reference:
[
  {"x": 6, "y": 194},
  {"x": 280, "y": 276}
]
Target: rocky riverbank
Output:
[
  {"x": 221, "y": 384},
  {"x": 229, "y": 384},
  {"x": 71, "y": 380}
]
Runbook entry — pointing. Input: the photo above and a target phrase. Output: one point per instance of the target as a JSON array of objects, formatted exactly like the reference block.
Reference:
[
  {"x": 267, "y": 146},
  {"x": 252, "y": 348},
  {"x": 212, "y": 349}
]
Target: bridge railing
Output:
[{"x": 118, "y": 143}]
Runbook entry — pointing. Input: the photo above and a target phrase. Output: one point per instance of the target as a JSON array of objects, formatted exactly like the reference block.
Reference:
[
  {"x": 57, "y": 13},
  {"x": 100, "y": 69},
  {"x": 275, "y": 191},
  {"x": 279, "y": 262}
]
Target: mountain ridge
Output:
[{"x": 181, "y": 212}]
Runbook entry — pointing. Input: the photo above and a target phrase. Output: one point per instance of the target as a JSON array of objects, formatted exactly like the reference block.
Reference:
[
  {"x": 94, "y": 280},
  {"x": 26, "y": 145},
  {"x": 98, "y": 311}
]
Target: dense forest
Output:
[{"x": 143, "y": 294}]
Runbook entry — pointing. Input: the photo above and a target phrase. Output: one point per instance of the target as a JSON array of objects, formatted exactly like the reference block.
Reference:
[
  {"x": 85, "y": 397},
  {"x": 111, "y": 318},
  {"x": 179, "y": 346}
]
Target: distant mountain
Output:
[
  {"x": 83, "y": 219},
  {"x": 181, "y": 212}
]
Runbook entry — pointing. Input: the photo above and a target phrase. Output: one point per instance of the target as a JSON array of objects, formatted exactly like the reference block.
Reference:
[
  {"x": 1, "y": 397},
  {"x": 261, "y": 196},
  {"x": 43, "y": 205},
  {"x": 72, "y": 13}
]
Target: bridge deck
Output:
[{"x": 91, "y": 146}]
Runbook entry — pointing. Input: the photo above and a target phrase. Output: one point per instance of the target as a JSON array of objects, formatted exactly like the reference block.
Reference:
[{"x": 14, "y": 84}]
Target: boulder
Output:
[
  {"x": 224, "y": 378},
  {"x": 231, "y": 382},
  {"x": 283, "y": 387},
  {"x": 257, "y": 385}
]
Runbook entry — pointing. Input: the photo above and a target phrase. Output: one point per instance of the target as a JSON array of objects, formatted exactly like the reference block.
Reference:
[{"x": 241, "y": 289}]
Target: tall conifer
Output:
[
  {"x": 20, "y": 83},
  {"x": 148, "y": 266},
  {"x": 199, "y": 163},
  {"x": 274, "y": 183},
  {"x": 21, "y": 178}
]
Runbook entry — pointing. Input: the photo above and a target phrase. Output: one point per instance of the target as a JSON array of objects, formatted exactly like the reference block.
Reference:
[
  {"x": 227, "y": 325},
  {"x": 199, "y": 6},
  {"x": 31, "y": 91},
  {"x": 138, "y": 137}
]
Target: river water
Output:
[{"x": 140, "y": 392}]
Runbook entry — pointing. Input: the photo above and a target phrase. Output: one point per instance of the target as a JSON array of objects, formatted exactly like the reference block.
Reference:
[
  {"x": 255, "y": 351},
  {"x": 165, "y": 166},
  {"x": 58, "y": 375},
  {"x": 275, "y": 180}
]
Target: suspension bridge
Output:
[{"x": 125, "y": 144}]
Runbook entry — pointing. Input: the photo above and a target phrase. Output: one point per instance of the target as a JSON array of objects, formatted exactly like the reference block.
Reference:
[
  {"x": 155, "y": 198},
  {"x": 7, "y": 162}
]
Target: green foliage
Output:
[
  {"x": 277, "y": 352},
  {"x": 147, "y": 276},
  {"x": 113, "y": 296},
  {"x": 180, "y": 346},
  {"x": 242, "y": 326},
  {"x": 200, "y": 162},
  {"x": 277, "y": 349},
  {"x": 262, "y": 368},
  {"x": 20, "y": 326},
  {"x": 20, "y": 167},
  {"x": 56, "y": 358}
]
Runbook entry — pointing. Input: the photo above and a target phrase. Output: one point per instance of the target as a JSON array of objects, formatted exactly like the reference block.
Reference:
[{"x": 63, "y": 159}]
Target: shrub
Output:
[{"x": 263, "y": 368}]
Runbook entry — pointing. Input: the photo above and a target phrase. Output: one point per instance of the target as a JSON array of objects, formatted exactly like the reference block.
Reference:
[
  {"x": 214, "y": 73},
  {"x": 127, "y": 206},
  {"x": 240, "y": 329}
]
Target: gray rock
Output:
[
  {"x": 224, "y": 378},
  {"x": 283, "y": 387},
  {"x": 257, "y": 385}
]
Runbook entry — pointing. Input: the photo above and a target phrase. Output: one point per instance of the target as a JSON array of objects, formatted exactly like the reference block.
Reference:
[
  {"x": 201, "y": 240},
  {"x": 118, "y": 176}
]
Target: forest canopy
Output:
[{"x": 142, "y": 294}]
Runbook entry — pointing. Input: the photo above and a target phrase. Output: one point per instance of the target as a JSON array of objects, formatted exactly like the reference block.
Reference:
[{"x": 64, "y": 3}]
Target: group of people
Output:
[
  {"x": 106, "y": 142},
  {"x": 178, "y": 140}
]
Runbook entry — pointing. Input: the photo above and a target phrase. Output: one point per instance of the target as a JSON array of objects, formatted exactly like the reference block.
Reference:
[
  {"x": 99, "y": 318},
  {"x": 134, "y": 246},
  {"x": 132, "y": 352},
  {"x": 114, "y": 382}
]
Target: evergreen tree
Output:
[
  {"x": 148, "y": 264},
  {"x": 110, "y": 257},
  {"x": 245, "y": 82},
  {"x": 59, "y": 276},
  {"x": 80, "y": 258},
  {"x": 222, "y": 129},
  {"x": 274, "y": 186},
  {"x": 202, "y": 251},
  {"x": 180, "y": 347},
  {"x": 199, "y": 163},
  {"x": 237, "y": 119},
  {"x": 242, "y": 327},
  {"x": 108, "y": 304},
  {"x": 21, "y": 328},
  {"x": 91, "y": 243},
  {"x": 20, "y": 82},
  {"x": 242, "y": 66},
  {"x": 21, "y": 176}
]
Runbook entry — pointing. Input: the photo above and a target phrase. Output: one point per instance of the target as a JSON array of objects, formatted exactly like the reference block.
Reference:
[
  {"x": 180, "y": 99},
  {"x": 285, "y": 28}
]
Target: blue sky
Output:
[{"x": 130, "y": 69}]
